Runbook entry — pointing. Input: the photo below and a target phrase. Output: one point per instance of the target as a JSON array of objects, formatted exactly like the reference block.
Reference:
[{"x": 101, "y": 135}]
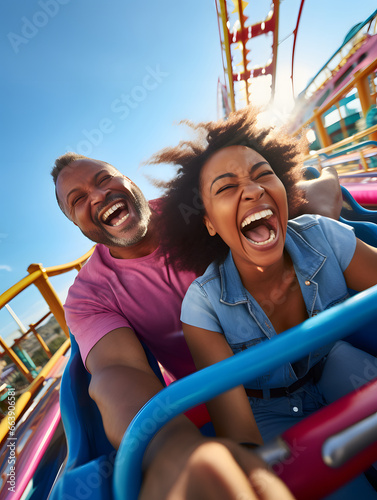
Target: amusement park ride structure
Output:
[
  {"x": 337, "y": 109},
  {"x": 235, "y": 36},
  {"x": 36, "y": 416}
]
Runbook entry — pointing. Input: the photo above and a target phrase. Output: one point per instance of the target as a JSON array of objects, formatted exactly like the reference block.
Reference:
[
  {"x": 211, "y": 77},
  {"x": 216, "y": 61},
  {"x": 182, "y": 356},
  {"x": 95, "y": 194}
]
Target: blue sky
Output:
[{"x": 111, "y": 80}]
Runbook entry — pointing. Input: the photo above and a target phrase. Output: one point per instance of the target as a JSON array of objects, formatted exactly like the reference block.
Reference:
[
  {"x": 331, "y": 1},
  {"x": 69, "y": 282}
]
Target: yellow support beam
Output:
[
  {"x": 363, "y": 162},
  {"x": 17, "y": 288},
  {"x": 345, "y": 142},
  {"x": 75, "y": 264},
  {"x": 38, "y": 275},
  {"x": 342, "y": 122},
  {"x": 24, "y": 399},
  {"x": 338, "y": 145},
  {"x": 338, "y": 96},
  {"x": 16, "y": 360},
  {"x": 48, "y": 293},
  {"x": 229, "y": 70},
  {"x": 323, "y": 136},
  {"x": 363, "y": 91},
  {"x": 41, "y": 341}
]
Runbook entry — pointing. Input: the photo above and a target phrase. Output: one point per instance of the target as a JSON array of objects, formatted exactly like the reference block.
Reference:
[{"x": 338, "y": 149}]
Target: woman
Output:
[{"x": 227, "y": 214}]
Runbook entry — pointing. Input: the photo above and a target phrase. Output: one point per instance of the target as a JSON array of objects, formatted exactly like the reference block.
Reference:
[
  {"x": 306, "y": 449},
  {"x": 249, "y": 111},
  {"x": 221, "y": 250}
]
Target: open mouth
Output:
[
  {"x": 260, "y": 228},
  {"x": 116, "y": 214}
]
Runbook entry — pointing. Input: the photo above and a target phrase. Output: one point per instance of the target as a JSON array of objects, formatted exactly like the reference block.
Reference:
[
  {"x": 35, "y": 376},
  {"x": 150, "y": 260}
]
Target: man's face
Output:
[{"x": 103, "y": 203}]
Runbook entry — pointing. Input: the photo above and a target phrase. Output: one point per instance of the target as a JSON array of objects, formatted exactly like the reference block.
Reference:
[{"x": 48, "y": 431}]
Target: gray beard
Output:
[{"x": 101, "y": 235}]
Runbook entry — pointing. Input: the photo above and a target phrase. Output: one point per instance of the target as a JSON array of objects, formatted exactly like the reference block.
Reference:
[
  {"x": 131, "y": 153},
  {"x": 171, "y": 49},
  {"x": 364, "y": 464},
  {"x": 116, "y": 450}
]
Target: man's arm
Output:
[
  {"x": 122, "y": 381},
  {"x": 324, "y": 194},
  {"x": 179, "y": 463}
]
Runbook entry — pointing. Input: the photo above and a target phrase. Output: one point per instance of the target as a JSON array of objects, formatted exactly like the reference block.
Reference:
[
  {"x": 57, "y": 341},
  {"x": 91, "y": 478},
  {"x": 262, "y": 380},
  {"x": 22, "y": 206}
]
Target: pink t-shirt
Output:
[{"x": 143, "y": 294}]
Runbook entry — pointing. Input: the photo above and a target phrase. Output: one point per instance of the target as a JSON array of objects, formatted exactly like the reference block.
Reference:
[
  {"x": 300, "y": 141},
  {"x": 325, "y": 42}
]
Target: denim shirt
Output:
[{"x": 320, "y": 248}]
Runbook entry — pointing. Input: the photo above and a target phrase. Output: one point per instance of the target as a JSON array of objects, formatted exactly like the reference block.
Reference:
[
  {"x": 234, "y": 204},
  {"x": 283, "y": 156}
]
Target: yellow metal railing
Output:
[
  {"x": 367, "y": 99},
  {"x": 345, "y": 142},
  {"x": 33, "y": 388},
  {"x": 229, "y": 70},
  {"x": 38, "y": 276}
]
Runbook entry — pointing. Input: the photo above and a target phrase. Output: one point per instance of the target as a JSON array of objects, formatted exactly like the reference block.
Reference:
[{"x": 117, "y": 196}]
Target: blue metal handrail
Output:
[
  {"x": 360, "y": 145},
  {"x": 351, "y": 210},
  {"x": 202, "y": 386},
  {"x": 325, "y": 157}
]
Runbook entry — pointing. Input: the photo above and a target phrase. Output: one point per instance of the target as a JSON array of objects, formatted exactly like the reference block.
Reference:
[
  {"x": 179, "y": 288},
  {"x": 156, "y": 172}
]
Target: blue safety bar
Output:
[
  {"x": 350, "y": 149},
  {"x": 352, "y": 211},
  {"x": 354, "y": 147},
  {"x": 202, "y": 386}
]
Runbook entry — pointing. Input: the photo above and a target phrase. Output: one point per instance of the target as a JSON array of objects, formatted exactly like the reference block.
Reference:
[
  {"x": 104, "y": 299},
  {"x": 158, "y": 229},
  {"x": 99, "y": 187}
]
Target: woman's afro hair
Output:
[{"x": 183, "y": 235}]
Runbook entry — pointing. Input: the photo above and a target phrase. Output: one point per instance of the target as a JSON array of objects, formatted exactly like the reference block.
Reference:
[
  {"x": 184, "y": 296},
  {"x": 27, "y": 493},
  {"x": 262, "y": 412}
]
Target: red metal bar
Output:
[{"x": 295, "y": 31}]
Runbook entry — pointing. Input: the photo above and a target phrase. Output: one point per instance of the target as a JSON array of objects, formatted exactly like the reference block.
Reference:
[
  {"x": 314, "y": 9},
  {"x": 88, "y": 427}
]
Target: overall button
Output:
[{"x": 307, "y": 283}]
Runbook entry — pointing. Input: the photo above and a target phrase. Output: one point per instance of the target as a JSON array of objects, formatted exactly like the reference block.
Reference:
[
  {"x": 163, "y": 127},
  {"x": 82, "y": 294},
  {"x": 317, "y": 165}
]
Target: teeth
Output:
[
  {"x": 111, "y": 210},
  {"x": 121, "y": 220},
  {"x": 264, "y": 214},
  {"x": 271, "y": 238}
]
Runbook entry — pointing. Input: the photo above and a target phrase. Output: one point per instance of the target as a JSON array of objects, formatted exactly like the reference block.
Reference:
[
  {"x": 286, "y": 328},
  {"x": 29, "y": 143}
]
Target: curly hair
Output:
[{"x": 184, "y": 237}]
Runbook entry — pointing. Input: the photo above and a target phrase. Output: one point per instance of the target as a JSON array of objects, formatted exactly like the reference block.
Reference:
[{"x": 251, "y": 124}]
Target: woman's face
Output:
[{"x": 245, "y": 204}]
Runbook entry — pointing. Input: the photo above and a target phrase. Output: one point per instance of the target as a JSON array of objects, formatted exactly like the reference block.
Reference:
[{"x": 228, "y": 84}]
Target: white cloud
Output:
[{"x": 5, "y": 268}]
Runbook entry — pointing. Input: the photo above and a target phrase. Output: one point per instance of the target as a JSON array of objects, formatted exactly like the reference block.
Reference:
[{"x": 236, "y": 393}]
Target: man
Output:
[{"x": 127, "y": 295}]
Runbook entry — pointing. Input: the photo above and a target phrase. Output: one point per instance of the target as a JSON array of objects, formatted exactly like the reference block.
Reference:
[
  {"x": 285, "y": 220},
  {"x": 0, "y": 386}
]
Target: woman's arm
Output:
[
  {"x": 361, "y": 273},
  {"x": 230, "y": 412}
]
